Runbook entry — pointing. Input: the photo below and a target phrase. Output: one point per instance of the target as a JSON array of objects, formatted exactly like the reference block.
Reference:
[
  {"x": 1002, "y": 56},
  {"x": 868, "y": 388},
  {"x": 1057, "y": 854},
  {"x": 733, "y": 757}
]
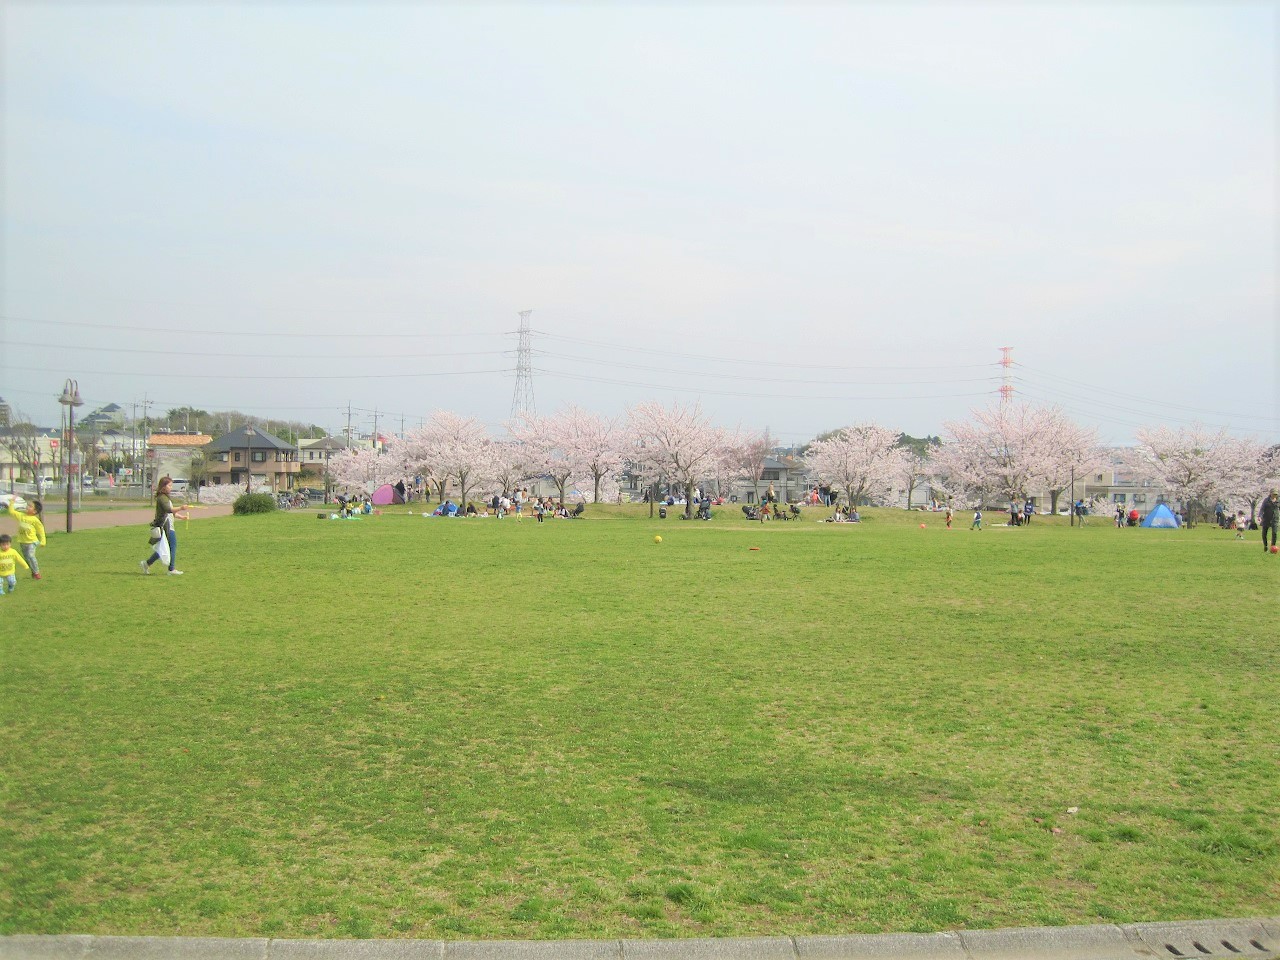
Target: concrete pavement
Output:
[
  {"x": 55, "y": 522},
  {"x": 1242, "y": 939}
]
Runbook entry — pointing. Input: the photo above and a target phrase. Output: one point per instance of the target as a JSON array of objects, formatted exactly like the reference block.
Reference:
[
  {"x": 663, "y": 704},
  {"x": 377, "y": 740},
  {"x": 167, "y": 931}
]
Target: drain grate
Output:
[
  {"x": 1201, "y": 939},
  {"x": 1201, "y": 949}
]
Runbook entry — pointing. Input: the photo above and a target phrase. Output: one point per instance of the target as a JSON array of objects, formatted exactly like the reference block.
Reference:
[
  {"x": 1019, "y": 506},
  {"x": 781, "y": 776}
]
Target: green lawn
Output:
[{"x": 402, "y": 726}]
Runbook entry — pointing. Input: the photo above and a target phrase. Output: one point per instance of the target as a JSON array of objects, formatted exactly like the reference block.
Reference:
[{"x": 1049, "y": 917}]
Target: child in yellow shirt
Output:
[
  {"x": 9, "y": 560},
  {"x": 30, "y": 532}
]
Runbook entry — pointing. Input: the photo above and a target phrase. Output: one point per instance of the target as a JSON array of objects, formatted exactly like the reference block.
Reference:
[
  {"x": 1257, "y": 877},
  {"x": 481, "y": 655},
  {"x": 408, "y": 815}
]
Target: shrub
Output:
[{"x": 254, "y": 503}]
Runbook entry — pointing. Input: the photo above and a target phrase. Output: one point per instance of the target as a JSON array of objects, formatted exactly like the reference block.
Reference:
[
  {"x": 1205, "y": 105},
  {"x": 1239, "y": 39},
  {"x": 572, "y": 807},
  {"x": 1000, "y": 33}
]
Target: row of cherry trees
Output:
[{"x": 1005, "y": 452}]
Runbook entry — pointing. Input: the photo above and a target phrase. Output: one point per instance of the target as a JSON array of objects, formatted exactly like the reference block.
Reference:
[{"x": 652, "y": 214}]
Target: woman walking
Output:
[{"x": 165, "y": 515}]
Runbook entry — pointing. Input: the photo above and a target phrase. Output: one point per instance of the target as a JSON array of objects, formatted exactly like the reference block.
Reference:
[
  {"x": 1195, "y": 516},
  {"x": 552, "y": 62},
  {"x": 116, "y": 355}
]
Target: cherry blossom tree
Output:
[
  {"x": 1003, "y": 451},
  {"x": 509, "y": 466},
  {"x": 678, "y": 442},
  {"x": 363, "y": 469},
  {"x": 1196, "y": 465},
  {"x": 1263, "y": 476},
  {"x": 746, "y": 454},
  {"x": 549, "y": 450},
  {"x": 594, "y": 444},
  {"x": 913, "y": 472},
  {"x": 863, "y": 459},
  {"x": 419, "y": 456},
  {"x": 1069, "y": 452},
  {"x": 1254, "y": 472},
  {"x": 449, "y": 447}
]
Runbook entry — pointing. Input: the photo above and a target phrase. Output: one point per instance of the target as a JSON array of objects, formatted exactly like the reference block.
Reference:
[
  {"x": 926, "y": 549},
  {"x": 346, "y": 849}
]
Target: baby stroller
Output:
[{"x": 750, "y": 512}]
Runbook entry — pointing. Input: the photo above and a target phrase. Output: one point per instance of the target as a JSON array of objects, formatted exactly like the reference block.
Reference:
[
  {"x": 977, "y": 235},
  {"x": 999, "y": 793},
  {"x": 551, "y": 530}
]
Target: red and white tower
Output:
[{"x": 1006, "y": 380}]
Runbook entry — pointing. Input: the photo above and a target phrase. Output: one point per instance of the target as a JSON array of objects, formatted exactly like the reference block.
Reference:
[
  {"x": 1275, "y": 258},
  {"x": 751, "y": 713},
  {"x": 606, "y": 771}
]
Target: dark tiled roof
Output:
[{"x": 236, "y": 440}]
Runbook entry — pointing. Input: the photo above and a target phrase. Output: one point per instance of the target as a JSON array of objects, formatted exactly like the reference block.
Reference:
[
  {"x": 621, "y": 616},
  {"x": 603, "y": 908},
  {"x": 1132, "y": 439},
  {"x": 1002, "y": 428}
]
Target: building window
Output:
[
  {"x": 1119, "y": 498},
  {"x": 222, "y": 457},
  {"x": 237, "y": 456},
  {"x": 259, "y": 456}
]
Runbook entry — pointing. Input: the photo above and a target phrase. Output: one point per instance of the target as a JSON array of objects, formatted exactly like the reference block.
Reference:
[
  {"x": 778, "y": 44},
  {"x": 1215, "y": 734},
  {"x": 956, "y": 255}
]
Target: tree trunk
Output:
[
  {"x": 688, "y": 500},
  {"x": 595, "y": 496}
]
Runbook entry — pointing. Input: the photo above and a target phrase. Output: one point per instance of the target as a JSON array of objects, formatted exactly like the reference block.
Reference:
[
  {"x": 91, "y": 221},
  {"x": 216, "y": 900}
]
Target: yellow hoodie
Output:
[
  {"x": 30, "y": 529},
  {"x": 9, "y": 560}
]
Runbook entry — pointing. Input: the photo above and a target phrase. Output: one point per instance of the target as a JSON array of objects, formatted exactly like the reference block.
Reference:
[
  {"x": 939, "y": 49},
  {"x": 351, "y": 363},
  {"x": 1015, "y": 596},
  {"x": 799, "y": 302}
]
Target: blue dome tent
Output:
[{"x": 1161, "y": 517}]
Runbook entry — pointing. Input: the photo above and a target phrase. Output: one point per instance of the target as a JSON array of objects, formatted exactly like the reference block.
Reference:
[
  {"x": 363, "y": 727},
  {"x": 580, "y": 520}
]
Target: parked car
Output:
[{"x": 19, "y": 503}]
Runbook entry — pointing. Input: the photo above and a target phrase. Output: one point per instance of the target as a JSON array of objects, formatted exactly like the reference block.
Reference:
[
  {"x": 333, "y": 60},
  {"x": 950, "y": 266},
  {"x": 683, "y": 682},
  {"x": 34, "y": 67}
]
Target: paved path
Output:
[
  {"x": 1256, "y": 939},
  {"x": 55, "y": 522}
]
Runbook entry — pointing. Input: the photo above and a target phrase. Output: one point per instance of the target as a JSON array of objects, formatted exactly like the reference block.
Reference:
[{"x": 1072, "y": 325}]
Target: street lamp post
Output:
[
  {"x": 70, "y": 399},
  {"x": 249, "y": 434}
]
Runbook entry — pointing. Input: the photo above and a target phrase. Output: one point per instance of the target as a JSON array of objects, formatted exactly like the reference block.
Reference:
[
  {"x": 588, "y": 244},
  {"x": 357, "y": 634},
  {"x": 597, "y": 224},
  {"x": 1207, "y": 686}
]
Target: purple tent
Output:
[{"x": 386, "y": 494}]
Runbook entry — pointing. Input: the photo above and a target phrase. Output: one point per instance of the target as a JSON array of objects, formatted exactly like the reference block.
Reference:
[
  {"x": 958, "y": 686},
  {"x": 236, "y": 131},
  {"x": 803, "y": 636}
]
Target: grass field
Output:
[{"x": 401, "y": 727}]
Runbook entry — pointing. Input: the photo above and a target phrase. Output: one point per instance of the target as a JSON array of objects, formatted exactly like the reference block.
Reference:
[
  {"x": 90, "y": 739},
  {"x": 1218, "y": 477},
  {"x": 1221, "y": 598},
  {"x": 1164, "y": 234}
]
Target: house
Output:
[
  {"x": 251, "y": 450},
  {"x": 172, "y": 454},
  {"x": 316, "y": 454},
  {"x": 1119, "y": 485},
  {"x": 102, "y": 419}
]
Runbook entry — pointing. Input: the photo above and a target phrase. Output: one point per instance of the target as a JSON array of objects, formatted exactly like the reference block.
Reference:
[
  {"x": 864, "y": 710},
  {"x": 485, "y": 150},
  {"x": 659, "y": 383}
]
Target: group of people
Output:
[
  {"x": 1021, "y": 513},
  {"x": 506, "y": 504},
  {"x": 30, "y": 535},
  {"x": 354, "y": 506},
  {"x": 1268, "y": 521},
  {"x": 1131, "y": 519}
]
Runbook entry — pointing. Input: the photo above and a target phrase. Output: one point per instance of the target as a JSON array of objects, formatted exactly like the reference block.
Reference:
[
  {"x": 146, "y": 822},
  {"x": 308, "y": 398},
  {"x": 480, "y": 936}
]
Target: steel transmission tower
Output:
[
  {"x": 1006, "y": 380},
  {"x": 522, "y": 399}
]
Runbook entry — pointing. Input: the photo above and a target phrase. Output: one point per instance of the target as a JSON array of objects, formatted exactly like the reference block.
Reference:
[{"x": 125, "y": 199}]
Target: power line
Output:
[
  {"x": 1130, "y": 396},
  {"x": 754, "y": 396},
  {"x": 304, "y": 334},
  {"x": 270, "y": 356},
  {"x": 771, "y": 362},
  {"x": 748, "y": 377},
  {"x": 281, "y": 376}
]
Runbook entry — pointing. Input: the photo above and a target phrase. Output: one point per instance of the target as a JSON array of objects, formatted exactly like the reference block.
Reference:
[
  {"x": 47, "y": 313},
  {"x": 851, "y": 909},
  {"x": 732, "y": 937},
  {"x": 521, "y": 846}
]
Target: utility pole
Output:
[
  {"x": 375, "y": 429},
  {"x": 348, "y": 423},
  {"x": 146, "y": 437},
  {"x": 133, "y": 447}
]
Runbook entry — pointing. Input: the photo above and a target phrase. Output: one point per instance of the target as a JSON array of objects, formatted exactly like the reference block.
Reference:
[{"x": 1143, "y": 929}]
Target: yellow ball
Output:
[{"x": 657, "y": 539}]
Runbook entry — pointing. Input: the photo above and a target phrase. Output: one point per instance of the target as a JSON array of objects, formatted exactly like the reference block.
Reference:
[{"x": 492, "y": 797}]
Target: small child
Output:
[
  {"x": 1241, "y": 524},
  {"x": 949, "y": 517},
  {"x": 30, "y": 532},
  {"x": 9, "y": 560},
  {"x": 977, "y": 520}
]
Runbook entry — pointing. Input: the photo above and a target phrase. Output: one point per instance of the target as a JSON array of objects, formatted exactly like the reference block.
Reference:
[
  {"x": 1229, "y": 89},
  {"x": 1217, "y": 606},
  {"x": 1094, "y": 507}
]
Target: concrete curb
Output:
[{"x": 1243, "y": 939}]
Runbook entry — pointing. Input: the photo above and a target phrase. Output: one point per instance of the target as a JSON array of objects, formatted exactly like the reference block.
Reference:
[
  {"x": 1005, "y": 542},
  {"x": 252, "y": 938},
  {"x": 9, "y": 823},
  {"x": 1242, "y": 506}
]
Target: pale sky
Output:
[{"x": 802, "y": 216}]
